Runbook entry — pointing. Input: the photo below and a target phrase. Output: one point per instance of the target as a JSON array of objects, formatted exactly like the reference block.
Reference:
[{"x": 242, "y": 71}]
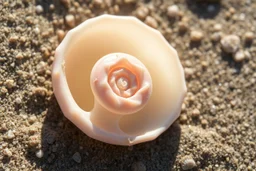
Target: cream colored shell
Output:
[{"x": 84, "y": 45}]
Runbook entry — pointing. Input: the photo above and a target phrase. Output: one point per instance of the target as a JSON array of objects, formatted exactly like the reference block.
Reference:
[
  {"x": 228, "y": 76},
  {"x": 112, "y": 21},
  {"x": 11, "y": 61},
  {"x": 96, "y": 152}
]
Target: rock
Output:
[
  {"x": 196, "y": 36},
  {"x": 10, "y": 134},
  {"x": 239, "y": 56},
  {"x": 40, "y": 91},
  {"x": 173, "y": 11},
  {"x": 142, "y": 12},
  {"x": 7, "y": 152},
  {"x": 39, "y": 9},
  {"x": 70, "y": 20},
  {"x": 248, "y": 36},
  {"x": 188, "y": 163},
  {"x": 217, "y": 27},
  {"x": 98, "y": 3},
  {"x": 9, "y": 83},
  {"x": 77, "y": 157},
  {"x": 60, "y": 34},
  {"x": 151, "y": 22},
  {"x": 195, "y": 113},
  {"x": 33, "y": 141},
  {"x": 183, "y": 26},
  {"x": 32, "y": 119},
  {"x": 216, "y": 36},
  {"x": 39, "y": 154},
  {"x": 230, "y": 43}
]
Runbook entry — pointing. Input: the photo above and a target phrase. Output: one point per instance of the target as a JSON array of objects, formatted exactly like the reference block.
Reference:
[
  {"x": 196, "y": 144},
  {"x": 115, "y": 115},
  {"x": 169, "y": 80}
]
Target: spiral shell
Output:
[{"x": 118, "y": 80}]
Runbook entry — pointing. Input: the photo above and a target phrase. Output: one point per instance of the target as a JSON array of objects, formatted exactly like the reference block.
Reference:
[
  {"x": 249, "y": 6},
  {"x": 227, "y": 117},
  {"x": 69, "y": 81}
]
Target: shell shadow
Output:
[
  {"x": 60, "y": 140},
  {"x": 204, "y": 9}
]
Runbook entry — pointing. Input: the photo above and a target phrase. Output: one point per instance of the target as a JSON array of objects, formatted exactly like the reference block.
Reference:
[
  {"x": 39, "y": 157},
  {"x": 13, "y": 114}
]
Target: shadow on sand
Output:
[
  {"x": 60, "y": 140},
  {"x": 204, "y": 9}
]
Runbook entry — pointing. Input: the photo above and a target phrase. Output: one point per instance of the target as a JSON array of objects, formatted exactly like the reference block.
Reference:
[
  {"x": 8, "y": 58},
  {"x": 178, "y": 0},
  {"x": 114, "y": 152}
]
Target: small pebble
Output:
[
  {"x": 150, "y": 21},
  {"x": 217, "y": 27},
  {"x": 142, "y": 12},
  {"x": 248, "y": 36},
  {"x": 70, "y": 20},
  {"x": 239, "y": 56},
  {"x": 98, "y": 3},
  {"x": 33, "y": 140},
  {"x": 61, "y": 35},
  {"x": 138, "y": 166},
  {"x": 230, "y": 43},
  {"x": 10, "y": 134},
  {"x": 39, "y": 9},
  {"x": 51, "y": 7},
  {"x": 66, "y": 3},
  {"x": 173, "y": 11},
  {"x": 32, "y": 119},
  {"x": 216, "y": 36},
  {"x": 183, "y": 118},
  {"x": 19, "y": 56},
  {"x": 183, "y": 26},
  {"x": 77, "y": 157},
  {"x": 7, "y": 152},
  {"x": 13, "y": 39},
  {"x": 36, "y": 30},
  {"x": 188, "y": 72},
  {"x": 29, "y": 20},
  {"x": 40, "y": 68},
  {"x": 195, "y": 113},
  {"x": 204, "y": 122},
  {"x": 188, "y": 163},
  {"x": 39, "y": 154},
  {"x": 40, "y": 91},
  {"x": 9, "y": 83},
  {"x": 196, "y": 36},
  {"x": 3, "y": 90},
  {"x": 18, "y": 100}
]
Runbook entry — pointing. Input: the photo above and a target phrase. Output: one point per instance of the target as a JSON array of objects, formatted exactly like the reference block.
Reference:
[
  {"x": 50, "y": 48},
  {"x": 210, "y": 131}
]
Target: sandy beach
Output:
[{"x": 216, "y": 130}]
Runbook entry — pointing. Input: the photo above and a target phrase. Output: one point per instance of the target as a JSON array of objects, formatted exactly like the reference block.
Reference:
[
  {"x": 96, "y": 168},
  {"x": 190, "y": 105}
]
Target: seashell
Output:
[{"x": 118, "y": 80}]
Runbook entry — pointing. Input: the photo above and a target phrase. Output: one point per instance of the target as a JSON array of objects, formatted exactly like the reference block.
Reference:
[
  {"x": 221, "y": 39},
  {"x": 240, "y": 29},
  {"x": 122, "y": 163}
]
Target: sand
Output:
[{"x": 217, "y": 126}]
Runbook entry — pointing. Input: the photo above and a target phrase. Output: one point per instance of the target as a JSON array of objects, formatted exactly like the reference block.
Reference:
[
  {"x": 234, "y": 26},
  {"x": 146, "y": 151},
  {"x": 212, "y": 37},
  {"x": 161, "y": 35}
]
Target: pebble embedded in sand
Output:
[
  {"x": 216, "y": 37},
  {"x": 151, "y": 22},
  {"x": 70, "y": 20},
  {"x": 142, "y": 12},
  {"x": 10, "y": 134},
  {"x": 7, "y": 152},
  {"x": 248, "y": 36},
  {"x": 230, "y": 43},
  {"x": 77, "y": 157},
  {"x": 39, "y": 9},
  {"x": 196, "y": 36},
  {"x": 9, "y": 83},
  {"x": 217, "y": 27},
  {"x": 40, "y": 91},
  {"x": 188, "y": 163},
  {"x": 195, "y": 113},
  {"x": 39, "y": 154},
  {"x": 173, "y": 11},
  {"x": 60, "y": 34},
  {"x": 239, "y": 56},
  {"x": 98, "y": 3}
]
